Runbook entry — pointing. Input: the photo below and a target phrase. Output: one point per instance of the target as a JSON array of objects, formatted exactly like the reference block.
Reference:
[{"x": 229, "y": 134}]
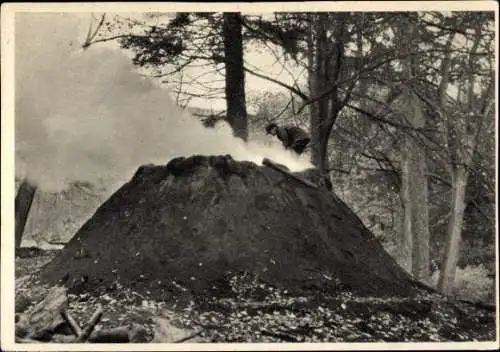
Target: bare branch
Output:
[
  {"x": 355, "y": 77},
  {"x": 282, "y": 84},
  {"x": 392, "y": 123},
  {"x": 102, "y": 40},
  {"x": 91, "y": 35},
  {"x": 283, "y": 110},
  {"x": 277, "y": 59},
  {"x": 454, "y": 30}
]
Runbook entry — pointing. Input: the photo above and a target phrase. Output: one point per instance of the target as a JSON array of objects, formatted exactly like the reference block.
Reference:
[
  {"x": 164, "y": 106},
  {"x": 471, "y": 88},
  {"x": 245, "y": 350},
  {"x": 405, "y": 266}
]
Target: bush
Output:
[{"x": 471, "y": 283}]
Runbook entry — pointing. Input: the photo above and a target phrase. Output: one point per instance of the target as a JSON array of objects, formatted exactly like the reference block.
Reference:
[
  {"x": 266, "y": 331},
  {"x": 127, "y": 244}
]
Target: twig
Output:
[
  {"x": 91, "y": 325},
  {"x": 282, "y": 84},
  {"x": 282, "y": 111},
  {"x": 91, "y": 36}
]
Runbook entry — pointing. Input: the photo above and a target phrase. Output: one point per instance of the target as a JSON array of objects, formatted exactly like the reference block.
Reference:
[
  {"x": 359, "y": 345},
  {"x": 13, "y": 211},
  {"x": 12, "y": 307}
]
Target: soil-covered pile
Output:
[{"x": 185, "y": 225}]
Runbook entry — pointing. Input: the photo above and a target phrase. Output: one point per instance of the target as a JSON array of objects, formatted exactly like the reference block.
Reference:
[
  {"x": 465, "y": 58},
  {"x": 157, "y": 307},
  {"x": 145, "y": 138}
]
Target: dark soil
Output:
[
  {"x": 184, "y": 226},
  {"x": 256, "y": 312}
]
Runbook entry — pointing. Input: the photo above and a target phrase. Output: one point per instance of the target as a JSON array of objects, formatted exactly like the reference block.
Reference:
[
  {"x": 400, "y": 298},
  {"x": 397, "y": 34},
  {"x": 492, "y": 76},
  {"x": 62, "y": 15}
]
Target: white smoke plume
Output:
[{"x": 87, "y": 115}]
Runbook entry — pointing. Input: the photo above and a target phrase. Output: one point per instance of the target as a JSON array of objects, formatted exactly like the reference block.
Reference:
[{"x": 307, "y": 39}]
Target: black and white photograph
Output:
[{"x": 234, "y": 176}]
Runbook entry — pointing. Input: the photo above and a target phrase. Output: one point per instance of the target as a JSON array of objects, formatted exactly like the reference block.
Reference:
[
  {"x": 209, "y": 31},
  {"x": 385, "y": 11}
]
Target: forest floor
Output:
[{"x": 259, "y": 313}]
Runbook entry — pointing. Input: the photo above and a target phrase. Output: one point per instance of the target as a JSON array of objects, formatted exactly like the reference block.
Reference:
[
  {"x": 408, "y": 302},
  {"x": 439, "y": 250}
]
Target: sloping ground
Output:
[{"x": 184, "y": 226}]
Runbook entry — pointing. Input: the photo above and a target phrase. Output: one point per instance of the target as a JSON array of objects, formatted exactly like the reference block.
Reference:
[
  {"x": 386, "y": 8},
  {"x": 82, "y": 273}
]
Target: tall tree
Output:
[
  {"x": 235, "y": 75},
  {"x": 414, "y": 191},
  {"x": 326, "y": 40},
  {"x": 462, "y": 134},
  {"x": 415, "y": 234}
]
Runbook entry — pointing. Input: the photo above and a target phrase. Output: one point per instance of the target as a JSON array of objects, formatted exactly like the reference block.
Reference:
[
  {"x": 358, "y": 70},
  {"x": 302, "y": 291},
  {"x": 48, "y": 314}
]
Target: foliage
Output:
[{"x": 473, "y": 282}]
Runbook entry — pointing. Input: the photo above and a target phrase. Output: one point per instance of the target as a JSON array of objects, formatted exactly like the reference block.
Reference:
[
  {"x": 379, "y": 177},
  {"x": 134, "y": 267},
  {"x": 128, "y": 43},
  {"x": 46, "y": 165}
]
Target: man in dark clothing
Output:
[{"x": 292, "y": 137}]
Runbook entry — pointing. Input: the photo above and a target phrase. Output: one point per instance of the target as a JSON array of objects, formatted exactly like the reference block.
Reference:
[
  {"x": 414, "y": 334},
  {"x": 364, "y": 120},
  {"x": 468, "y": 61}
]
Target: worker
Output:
[{"x": 292, "y": 137}]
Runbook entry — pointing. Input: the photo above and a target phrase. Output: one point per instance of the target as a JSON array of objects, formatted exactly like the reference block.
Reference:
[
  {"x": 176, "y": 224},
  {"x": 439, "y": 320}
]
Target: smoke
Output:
[{"x": 87, "y": 115}]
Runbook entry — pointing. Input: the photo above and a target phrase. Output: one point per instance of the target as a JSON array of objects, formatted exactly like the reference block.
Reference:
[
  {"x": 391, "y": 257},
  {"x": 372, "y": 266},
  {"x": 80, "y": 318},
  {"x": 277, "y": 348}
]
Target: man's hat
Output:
[{"x": 270, "y": 127}]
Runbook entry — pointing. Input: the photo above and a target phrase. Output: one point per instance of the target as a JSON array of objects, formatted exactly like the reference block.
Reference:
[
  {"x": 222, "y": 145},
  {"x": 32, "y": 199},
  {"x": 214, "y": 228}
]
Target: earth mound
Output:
[{"x": 185, "y": 225}]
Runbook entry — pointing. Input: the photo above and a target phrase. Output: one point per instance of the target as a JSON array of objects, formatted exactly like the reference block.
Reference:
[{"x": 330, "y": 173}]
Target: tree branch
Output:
[
  {"x": 392, "y": 123},
  {"x": 282, "y": 84},
  {"x": 356, "y": 76},
  {"x": 90, "y": 36},
  {"x": 108, "y": 39},
  {"x": 437, "y": 25}
]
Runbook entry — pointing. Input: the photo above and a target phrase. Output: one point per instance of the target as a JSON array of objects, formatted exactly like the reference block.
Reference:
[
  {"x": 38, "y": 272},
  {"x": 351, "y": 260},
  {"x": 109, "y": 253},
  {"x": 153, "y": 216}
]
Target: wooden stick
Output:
[
  {"x": 75, "y": 328},
  {"x": 269, "y": 163},
  {"x": 91, "y": 325}
]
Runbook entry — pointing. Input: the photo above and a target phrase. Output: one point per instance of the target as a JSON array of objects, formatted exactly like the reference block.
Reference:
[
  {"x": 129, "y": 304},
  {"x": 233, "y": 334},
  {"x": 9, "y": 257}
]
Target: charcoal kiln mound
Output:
[{"x": 190, "y": 222}]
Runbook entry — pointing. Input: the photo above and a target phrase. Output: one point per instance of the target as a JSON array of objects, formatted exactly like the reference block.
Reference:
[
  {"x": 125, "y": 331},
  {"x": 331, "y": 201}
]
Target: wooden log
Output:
[
  {"x": 44, "y": 317},
  {"x": 91, "y": 325},
  {"x": 269, "y": 163},
  {"x": 75, "y": 328},
  {"x": 22, "y": 281}
]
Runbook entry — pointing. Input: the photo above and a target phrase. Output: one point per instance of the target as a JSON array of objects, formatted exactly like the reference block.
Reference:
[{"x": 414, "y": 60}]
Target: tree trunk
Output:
[
  {"x": 317, "y": 86},
  {"x": 420, "y": 257},
  {"x": 414, "y": 195},
  {"x": 466, "y": 134},
  {"x": 327, "y": 63},
  {"x": 415, "y": 237},
  {"x": 24, "y": 199},
  {"x": 459, "y": 184},
  {"x": 406, "y": 244},
  {"x": 447, "y": 277},
  {"x": 312, "y": 83},
  {"x": 419, "y": 197},
  {"x": 235, "y": 75}
]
